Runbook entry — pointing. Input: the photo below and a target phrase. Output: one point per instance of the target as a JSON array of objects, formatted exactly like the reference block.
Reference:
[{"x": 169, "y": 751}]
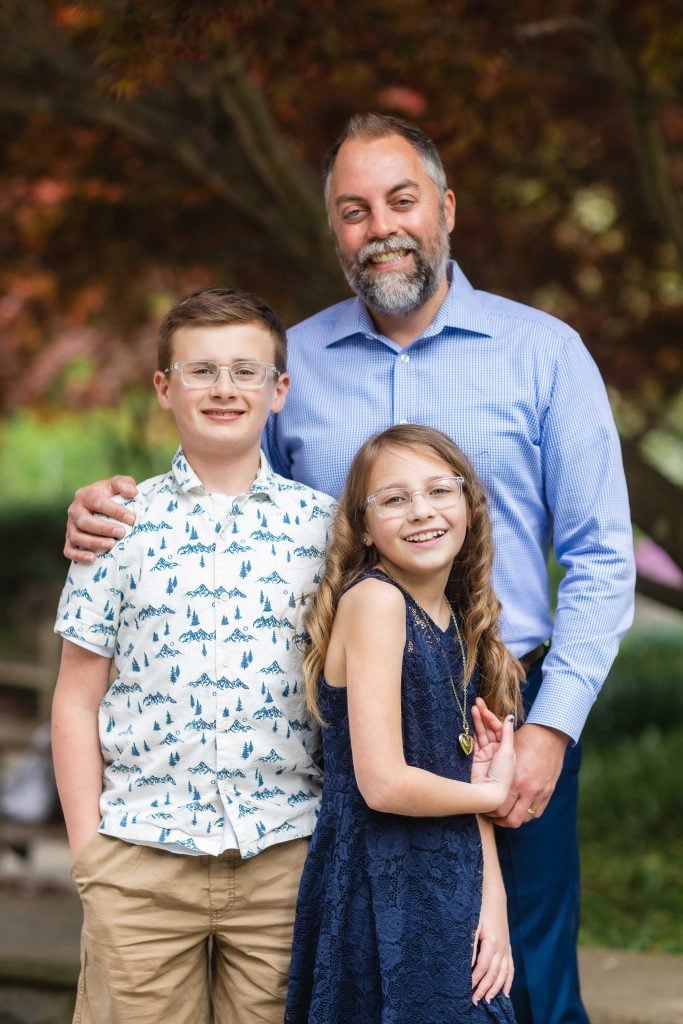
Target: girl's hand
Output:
[
  {"x": 488, "y": 732},
  {"x": 494, "y": 754},
  {"x": 493, "y": 969}
]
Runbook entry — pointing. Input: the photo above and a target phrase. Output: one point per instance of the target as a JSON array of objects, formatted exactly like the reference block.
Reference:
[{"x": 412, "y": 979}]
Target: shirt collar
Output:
[
  {"x": 461, "y": 310},
  {"x": 265, "y": 483}
]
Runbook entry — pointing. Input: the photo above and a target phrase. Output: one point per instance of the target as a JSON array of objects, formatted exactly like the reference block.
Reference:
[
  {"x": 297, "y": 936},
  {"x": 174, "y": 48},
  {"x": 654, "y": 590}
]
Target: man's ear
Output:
[{"x": 449, "y": 209}]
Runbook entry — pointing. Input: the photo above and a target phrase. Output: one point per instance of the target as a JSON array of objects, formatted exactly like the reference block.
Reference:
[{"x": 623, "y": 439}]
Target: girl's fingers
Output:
[
  {"x": 487, "y": 727},
  {"x": 510, "y": 974},
  {"x": 495, "y": 980},
  {"x": 487, "y": 981}
]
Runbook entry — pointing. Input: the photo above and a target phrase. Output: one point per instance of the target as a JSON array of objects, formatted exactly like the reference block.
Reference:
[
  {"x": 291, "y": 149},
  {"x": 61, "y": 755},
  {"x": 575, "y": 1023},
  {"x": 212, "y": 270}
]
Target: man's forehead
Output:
[
  {"x": 400, "y": 186},
  {"x": 389, "y": 162}
]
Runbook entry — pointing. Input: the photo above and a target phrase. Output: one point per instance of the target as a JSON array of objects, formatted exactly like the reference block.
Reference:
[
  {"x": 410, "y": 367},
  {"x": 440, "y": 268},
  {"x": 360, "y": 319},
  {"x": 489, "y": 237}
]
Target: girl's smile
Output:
[{"x": 418, "y": 546}]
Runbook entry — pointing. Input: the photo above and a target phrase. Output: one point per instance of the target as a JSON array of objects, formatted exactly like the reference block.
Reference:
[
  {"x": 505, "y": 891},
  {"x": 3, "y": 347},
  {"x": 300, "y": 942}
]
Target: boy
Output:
[{"x": 189, "y": 785}]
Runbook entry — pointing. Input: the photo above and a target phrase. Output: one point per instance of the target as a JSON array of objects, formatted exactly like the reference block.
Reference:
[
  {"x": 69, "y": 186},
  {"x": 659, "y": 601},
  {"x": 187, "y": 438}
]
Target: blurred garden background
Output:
[{"x": 150, "y": 147}]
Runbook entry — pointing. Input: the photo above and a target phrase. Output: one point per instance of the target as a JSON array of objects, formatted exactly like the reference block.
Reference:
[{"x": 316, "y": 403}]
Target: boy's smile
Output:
[{"x": 221, "y": 424}]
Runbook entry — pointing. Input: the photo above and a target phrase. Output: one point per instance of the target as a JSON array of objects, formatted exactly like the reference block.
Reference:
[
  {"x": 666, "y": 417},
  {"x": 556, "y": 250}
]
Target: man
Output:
[{"x": 518, "y": 392}]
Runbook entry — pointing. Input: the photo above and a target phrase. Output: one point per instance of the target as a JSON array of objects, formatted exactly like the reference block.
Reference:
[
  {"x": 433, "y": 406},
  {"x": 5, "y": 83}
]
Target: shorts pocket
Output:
[{"x": 82, "y": 859}]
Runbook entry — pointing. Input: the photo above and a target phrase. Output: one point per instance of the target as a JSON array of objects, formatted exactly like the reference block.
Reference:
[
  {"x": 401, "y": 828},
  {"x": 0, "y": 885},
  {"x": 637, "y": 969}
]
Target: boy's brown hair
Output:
[{"x": 219, "y": 307}]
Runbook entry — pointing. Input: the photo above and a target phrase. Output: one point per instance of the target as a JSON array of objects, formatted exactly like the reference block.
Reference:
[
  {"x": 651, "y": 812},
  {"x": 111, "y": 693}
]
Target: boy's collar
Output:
[{"x": 188, "y": 482}]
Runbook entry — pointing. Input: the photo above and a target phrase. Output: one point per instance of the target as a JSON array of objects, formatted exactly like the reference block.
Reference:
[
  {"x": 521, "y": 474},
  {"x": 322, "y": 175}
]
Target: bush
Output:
[
  {"x": 643, "y": 689},
  {"x": 32, "y": 568},
  {"x": 631, "y": 845}
]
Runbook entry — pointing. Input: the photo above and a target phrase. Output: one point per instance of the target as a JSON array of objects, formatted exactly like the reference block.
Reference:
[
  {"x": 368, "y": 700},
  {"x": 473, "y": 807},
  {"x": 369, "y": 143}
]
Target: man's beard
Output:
[{"x": 400, "y": 292}]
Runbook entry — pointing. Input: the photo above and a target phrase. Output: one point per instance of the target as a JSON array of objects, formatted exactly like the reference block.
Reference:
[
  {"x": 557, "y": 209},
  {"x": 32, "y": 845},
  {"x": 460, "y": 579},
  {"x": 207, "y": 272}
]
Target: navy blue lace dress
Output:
[{"x": 389, "y": 905}]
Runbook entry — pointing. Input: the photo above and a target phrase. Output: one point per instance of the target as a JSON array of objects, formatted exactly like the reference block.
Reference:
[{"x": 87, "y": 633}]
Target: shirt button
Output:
[{"x": 405, "y": 358}]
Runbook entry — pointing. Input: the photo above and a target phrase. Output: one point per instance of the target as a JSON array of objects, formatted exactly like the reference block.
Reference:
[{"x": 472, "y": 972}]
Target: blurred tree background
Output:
[{"x": 148, "y": 148}]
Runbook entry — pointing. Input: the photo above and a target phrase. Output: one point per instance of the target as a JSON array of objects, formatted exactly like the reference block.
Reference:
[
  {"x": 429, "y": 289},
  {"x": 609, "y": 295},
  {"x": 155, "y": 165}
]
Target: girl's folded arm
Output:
[{"x": 371, "y": 619}]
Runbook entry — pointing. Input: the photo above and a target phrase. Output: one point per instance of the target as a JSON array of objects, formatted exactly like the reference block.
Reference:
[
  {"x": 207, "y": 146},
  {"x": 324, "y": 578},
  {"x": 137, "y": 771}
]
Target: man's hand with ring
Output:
[{"x": 540, "y": 752}]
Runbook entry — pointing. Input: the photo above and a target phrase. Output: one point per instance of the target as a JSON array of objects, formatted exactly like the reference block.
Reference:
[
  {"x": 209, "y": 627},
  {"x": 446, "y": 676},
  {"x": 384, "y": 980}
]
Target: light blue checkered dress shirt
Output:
[{"x": 519, "y": 393}]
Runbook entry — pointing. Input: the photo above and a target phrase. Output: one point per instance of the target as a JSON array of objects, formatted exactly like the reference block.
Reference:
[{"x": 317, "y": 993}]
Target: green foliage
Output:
[
  {"x": 631, "y": 846},
  {"x": 632, "y": 790},
  {"x": 630, "y": 808},
  {"x": 43, "y": 460},
  {"x": 32, "y": 571},
  {"x": 643, "y": 689}
]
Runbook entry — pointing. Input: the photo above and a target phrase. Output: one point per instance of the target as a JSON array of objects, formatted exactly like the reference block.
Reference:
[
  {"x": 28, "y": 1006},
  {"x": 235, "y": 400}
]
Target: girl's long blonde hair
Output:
[{"x": 468, "y": 589}]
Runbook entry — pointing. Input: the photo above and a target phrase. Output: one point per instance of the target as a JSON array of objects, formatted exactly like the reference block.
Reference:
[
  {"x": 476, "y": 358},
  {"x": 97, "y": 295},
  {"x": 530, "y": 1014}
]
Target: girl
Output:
[{"x": 401, "y": 915}]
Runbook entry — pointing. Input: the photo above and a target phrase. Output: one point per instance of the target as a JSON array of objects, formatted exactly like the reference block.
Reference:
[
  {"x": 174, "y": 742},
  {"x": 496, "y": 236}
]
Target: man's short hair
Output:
[
  {"x": 220, "y": 307},
  {"x": 379, "y": 126}
]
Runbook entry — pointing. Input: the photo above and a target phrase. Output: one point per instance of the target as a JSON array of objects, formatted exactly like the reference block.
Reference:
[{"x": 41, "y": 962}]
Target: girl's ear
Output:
[{"x": 367, "y": 540}]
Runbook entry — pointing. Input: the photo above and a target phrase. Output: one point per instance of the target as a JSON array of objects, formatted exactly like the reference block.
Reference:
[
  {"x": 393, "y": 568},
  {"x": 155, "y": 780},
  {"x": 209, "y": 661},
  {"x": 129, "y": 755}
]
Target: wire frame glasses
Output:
[
  {"x": 204, "y": 373},
  {"x": 392, "y": 502}
]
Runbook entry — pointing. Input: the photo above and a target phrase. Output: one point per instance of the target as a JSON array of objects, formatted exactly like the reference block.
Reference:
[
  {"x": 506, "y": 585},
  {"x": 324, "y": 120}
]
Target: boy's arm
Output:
[
  {"x": 94, "y": 520},
  {"x": 81, "y": 685}
]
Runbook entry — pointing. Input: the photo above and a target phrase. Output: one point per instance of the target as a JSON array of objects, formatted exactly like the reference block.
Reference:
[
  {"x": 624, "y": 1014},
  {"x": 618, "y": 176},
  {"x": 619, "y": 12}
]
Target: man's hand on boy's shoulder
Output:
[{"x": 93, "y": 518}]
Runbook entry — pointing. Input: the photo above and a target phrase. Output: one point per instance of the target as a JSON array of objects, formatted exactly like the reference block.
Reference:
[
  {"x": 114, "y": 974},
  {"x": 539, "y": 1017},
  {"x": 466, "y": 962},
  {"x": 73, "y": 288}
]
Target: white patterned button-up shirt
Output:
[{"x": 201, "y": 606}]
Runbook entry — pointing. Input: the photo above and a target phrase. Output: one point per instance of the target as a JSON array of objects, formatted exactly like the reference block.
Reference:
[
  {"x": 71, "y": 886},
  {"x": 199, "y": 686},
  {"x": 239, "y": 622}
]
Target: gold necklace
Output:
[{"x": 464, "y": 739}]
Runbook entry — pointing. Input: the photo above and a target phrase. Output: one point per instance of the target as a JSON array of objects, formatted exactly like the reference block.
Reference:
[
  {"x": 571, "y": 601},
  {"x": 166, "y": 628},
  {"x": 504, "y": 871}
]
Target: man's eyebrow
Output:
[{"x": 348, "y": 197}]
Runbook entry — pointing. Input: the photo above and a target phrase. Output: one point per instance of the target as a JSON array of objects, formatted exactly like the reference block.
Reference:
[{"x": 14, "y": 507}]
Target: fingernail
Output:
[
  {"x": 129, "y": 518},
  {"x": 119, "y": 532}
]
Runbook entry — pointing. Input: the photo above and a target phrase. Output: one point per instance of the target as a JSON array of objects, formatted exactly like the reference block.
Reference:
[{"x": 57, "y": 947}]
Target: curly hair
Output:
[{"x": 468, "y": 590}]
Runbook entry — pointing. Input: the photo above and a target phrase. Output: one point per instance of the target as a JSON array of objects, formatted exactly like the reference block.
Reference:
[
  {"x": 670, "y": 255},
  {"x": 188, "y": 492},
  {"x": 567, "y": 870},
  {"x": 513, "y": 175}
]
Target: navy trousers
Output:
[{"x": 540, "y": 864}]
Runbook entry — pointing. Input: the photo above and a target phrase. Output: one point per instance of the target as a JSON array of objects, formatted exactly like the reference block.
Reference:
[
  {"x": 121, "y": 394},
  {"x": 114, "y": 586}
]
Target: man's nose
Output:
[{"x": 381, "y": 222}]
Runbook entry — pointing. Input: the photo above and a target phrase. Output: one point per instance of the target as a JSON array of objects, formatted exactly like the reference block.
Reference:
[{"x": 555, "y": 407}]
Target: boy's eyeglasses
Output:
[
  {"x": 204, "y": 373},
  {"x": 393, "y": 502}
]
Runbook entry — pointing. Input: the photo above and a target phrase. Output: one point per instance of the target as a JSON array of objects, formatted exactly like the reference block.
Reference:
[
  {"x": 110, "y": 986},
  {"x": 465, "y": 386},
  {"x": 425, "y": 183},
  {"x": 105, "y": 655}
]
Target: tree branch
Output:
[
  {"x": 670, "y": 596},
  {"x": 210, "y": 122},
  {"x": 650, "y": 148},
  {"x": 655, "y": 502}
]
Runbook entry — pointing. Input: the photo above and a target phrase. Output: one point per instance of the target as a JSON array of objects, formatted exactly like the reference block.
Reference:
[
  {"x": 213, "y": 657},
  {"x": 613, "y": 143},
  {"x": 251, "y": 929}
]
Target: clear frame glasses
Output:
[
  {"x": 392, "y": 502},
  {"x": 203, "y": 373}
]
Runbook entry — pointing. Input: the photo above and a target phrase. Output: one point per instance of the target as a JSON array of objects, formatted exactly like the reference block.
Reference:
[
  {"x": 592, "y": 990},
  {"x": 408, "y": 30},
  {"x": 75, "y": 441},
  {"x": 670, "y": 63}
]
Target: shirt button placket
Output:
[{"x": 402, "y": 385}]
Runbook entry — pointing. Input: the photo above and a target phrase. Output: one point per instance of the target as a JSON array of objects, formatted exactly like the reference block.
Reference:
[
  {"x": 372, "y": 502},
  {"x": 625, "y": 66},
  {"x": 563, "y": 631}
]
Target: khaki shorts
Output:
[{"x": 182, "y": 939}]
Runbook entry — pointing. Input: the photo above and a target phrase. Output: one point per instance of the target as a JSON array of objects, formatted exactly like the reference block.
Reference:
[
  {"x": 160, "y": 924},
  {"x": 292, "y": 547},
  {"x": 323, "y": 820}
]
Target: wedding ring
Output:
[{"x": 530, "y": 811}]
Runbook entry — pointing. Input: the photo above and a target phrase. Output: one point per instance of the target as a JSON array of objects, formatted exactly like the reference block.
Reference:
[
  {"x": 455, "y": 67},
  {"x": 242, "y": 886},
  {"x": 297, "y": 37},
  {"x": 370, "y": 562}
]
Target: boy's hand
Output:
[{"x": 87, "y": 529}]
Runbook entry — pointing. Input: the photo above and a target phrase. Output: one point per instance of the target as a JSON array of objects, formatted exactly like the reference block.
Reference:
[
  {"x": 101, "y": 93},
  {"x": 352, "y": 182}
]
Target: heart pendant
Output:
[{"x": 466, "y": 743}]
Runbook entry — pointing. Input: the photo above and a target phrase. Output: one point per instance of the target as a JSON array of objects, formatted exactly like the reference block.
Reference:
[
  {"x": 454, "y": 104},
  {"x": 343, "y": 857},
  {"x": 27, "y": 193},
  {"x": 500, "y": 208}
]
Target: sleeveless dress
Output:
[{"x": 389, "y": 904}]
